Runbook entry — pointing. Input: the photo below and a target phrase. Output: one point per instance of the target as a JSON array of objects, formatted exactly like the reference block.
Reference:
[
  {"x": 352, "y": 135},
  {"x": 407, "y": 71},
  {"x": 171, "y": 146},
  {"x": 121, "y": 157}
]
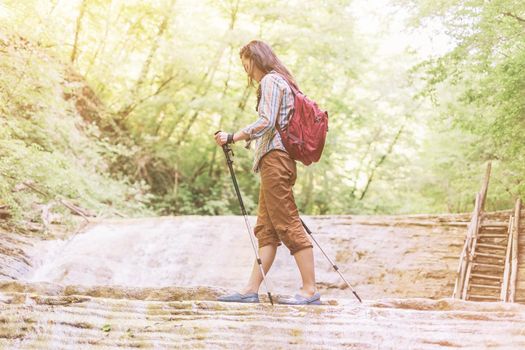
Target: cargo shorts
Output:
[{"x": 277, "y": 216}]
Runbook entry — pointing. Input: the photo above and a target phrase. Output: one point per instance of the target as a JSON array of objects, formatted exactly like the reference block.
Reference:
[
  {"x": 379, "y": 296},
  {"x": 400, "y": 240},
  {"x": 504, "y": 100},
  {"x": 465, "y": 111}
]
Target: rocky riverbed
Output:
[{"x": 151, "y": 283}]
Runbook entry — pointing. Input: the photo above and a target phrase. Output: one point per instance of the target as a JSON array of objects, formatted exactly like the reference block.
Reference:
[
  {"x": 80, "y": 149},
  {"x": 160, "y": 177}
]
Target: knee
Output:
[
  {"x": 266, "y": 236},
  {"x": 294, "y": 239}
]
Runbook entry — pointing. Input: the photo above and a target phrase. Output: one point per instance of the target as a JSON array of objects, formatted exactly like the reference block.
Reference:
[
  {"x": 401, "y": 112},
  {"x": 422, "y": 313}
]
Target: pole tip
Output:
[{"x": 358, "y": 298}]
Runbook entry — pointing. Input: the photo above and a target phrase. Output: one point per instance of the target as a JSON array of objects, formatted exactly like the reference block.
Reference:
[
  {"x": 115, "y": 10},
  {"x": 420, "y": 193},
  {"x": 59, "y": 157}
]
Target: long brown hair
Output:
[{"x": 262, "y": 56}]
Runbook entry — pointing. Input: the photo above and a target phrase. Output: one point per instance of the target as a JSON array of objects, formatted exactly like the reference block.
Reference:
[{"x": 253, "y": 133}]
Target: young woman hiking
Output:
[{"x": 277, "y": 218}]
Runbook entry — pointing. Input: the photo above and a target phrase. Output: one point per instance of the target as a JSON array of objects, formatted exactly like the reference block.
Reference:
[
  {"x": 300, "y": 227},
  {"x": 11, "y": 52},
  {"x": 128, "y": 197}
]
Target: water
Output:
[{"x": 402, "y": 273}]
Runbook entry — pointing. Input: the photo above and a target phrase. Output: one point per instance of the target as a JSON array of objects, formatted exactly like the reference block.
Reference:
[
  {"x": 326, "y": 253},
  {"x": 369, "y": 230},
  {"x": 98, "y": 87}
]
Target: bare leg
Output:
[
  {"x": 305, "y": 262},
  {"x": 267, "y": 255}
]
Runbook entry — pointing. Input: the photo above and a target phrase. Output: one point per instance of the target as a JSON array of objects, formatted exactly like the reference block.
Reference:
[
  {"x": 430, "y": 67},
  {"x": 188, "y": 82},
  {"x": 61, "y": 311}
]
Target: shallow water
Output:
[
  {"x": 378, "y": 261},
  {"x": 152, "y": 283}
]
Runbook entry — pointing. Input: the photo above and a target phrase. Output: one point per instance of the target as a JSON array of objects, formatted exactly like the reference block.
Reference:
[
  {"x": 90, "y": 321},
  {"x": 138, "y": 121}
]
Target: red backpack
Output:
[{"x": 305, "y": 135}]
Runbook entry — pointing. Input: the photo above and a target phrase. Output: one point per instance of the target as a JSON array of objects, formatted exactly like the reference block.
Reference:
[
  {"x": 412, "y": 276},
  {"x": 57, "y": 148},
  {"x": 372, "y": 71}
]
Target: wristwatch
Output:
[{"x": 230, "y": 138}]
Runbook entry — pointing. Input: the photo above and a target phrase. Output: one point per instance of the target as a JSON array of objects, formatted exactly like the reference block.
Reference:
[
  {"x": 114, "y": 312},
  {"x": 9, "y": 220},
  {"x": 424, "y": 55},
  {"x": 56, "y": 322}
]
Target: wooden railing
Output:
[
  {"x": 470, "y": 255},
  {"x": 472, "y": 233},
  {"x": 514, "y": 252}
]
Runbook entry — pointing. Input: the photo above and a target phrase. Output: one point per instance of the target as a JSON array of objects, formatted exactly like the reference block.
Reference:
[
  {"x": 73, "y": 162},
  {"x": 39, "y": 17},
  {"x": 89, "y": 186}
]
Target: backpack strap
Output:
[
  {"x": 295, "y": 91},
  {"x": 293, "y": 87}
]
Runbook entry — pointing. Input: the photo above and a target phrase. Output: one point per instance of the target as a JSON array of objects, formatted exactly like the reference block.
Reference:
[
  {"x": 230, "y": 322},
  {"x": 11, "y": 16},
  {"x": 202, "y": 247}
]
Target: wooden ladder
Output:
[
  {"x": 488, "y": 256},
  {"x": 467, "y": 254},
  {"x": 488, "y": 265}
]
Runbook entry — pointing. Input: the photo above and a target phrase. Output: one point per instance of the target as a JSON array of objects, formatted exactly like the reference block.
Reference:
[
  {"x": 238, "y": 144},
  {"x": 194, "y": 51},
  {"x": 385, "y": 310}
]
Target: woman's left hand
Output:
[{"x": 221, "y": 138}]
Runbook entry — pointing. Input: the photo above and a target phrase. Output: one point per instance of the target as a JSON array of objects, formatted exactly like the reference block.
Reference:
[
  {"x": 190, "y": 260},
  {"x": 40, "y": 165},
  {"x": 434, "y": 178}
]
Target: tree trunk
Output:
[
  {"x": 153, "y": 49},
  {"x": 125, "y": 111},
  {"x": 210, "y": 74},
  {"x": 361, "y": 161},
  {"x": 78, "y": 29},
  {"x": 224, "y": 91},
  {"x": 381, "y": 160},
  {"x": 102, "y": 44}
]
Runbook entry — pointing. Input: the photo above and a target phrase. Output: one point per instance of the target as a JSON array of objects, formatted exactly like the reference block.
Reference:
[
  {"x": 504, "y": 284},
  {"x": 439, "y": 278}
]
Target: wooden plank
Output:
[
  {"x": 492, "y": 266},
  {"x": 494, "y": 240},
  {"x": 463, "y": 259},
  {"x": 514, "y": 264},
  {"x": 496, "y": 225},
  {"x": 458, "y": 285},
  {"x": 489, "y": 277},
  {"x": 487, "y": 255},
  {"x": 485, "y": 186},
  {"x": 491, "y": 246},
  {"x": 474, "y": 237},
  {"x": 478, "y": 281},
  {"x": 495, "y": 235},
  {"x": 485, "y": 286},
  {"x": 486, "y": 297},
  {"x": 506, "y": 272}
]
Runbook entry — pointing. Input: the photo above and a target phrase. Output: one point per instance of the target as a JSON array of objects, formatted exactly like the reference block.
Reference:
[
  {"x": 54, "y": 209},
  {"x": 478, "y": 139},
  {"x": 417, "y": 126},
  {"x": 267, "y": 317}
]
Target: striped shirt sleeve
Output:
[{"x": 271, "y": 95}]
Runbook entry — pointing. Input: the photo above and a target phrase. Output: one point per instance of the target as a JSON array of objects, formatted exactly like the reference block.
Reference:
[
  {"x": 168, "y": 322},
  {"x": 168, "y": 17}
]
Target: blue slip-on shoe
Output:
[
  {"x": 240, "y": 298},
  {"x": 300, "y": 300}
]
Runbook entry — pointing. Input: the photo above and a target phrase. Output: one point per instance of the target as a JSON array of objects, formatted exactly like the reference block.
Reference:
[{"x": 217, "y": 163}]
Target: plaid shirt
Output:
[{"x": 276, "y": 98}]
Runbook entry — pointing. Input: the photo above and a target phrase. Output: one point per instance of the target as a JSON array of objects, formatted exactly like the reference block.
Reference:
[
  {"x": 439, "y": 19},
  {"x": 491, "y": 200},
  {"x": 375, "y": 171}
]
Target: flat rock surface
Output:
[
  {"x": 379, "y": 256},
  {"x": 152, "y": 283},
  {"x": 190, "y": 319}
]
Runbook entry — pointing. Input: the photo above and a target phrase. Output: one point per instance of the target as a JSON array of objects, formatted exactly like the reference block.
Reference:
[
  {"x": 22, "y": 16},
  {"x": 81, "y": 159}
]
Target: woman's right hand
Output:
[{"x": 221, "y": 138}]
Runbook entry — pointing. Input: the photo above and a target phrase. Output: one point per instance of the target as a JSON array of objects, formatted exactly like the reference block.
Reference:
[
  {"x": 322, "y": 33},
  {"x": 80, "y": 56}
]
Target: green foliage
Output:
[
  {"x": 45, "y": 143},
  {"x": 479, "y": 86},
  {"x": 163, "y": 76}
]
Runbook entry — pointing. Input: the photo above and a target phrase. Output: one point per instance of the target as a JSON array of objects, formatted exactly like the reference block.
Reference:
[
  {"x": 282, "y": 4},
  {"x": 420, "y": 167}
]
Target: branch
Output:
[
  {"x": 509, "y": 14},
  {"x": 126, "y": 111},
  {"x": 29, "y": 184},
  {"x": 381, "y": 160},
  {"x": 65, "y": 203}
]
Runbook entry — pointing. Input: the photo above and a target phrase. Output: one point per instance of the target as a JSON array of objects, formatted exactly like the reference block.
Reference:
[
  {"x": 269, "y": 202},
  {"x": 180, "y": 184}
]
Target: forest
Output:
[{"x": 109, "y": 107}]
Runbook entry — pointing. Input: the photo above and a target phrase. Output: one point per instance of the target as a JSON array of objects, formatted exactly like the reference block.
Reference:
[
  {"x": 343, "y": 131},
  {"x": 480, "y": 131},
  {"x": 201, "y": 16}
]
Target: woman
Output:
[{"x": 278, "y": 218}]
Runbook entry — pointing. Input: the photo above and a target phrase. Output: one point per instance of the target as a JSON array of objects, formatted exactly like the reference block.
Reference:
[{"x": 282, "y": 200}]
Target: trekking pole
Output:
[
  {"x": 333, "y": 265},
  {"x": 226, "y": 148}
]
